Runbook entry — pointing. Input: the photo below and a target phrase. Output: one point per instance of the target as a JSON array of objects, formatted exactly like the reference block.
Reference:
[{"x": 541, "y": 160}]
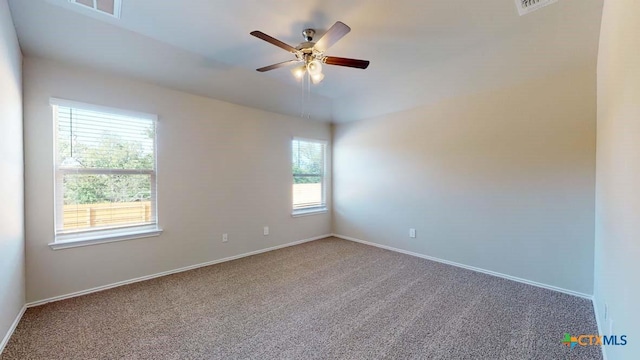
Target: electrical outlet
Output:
[
  {"x": 225, "y": 237},
  {"x": 266, "y": 231},
  {"x": 412, "y": 233}
]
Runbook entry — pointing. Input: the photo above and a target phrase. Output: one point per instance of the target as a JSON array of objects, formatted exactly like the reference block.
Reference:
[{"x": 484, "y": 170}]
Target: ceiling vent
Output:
[
  {"x": 104, "y": 7},
  {"x": 527, "y": 6}
]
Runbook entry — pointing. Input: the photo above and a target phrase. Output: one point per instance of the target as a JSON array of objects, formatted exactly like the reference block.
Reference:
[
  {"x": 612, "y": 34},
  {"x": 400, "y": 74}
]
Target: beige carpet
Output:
[{"x": 327, "y": 299}]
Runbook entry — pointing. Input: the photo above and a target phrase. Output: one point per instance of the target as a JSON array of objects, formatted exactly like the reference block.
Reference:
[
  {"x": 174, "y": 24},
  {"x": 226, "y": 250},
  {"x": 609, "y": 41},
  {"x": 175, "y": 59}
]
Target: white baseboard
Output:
[
  {"x": 13, "y": 327},
  {"x": 473, "y": 268},
  {"x": 169, "y": 272},
  {"x": 595, "y": 310}
]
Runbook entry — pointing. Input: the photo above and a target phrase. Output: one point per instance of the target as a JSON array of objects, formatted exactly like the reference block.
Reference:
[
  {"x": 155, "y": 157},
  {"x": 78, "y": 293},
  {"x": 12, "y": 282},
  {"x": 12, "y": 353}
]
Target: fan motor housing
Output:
[{"x": 306, "y": 46}]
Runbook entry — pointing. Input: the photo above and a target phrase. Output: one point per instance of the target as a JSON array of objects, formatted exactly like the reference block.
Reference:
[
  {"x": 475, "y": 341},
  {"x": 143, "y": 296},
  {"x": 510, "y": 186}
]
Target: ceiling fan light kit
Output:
[
  {"x": 316, "y": 79},
  {"x": 298, "y": 71},
  {"x": 314, "y": 67},
  {"x": 311, "y": 54}
]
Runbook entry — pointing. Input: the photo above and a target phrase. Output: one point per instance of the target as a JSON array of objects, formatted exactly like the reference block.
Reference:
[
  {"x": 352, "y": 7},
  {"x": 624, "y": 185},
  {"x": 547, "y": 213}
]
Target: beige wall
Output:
[
  {"x": 11, "y": 176},
  {"x": 222, "y": 168},
  {"x": 500, "y": 180},
  {"x": 618, "y": 176}
]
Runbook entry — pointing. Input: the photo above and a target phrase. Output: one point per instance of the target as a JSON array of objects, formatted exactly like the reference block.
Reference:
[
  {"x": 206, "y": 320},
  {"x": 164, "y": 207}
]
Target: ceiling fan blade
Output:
[
  {"x": 335, "y": 33},
  {"x": 274, "y": 41},
  {"x": 278, "y": 65},
  {"x": 354, "y": 63}
]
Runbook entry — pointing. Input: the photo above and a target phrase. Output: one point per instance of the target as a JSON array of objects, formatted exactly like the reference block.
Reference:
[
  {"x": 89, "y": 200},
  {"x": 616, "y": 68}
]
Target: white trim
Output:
[
  {"x": 117, "y": 9},
  {"x": 102, "y": 109},
  {"x": 169, "y": 272},
  {"x": 101, "y": 238},
  {"x": 473, "y": 268},
  {"x": 309, "y": 211},
  {"x": 319, "y": 141},
  {"x": 71, "y": 170},
  {"x": 13, "y": 327},
  {"x": 595, "y": 311}
]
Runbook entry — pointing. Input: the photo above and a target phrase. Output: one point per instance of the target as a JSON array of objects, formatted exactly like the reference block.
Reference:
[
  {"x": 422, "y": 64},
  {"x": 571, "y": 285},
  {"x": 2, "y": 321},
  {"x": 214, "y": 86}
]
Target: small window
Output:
[
  {"x": 105, "y": 172},
  {"x": 309, "y": 182}
]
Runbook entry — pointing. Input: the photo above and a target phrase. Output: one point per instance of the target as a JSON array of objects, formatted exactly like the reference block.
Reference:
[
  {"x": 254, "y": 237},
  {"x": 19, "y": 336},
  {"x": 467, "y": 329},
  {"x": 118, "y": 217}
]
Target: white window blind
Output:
[
  {"x": 105, "y": 169},
  {"x": 309, "y": 182}
]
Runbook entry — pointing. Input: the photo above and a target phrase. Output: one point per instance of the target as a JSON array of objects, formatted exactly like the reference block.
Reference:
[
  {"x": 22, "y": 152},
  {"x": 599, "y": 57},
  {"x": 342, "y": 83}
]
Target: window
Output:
[
  {"x": 309, "y": 185},
  {"x": 105, "y": 174}
]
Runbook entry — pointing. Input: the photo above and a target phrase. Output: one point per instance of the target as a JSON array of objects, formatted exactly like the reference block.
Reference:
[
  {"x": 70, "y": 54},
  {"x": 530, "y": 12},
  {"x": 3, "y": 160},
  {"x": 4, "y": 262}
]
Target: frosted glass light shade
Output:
[
  {"x": 299, "y": 71},
  {"x": 316, "y": 79},
  {"x": 314, "y": 67}
]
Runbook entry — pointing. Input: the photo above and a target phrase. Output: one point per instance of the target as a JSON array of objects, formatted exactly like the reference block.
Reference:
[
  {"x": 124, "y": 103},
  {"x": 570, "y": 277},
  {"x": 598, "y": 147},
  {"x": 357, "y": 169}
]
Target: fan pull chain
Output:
[
  {"x": 308, "y": 95},
  {"x": 302, "y": 98}
]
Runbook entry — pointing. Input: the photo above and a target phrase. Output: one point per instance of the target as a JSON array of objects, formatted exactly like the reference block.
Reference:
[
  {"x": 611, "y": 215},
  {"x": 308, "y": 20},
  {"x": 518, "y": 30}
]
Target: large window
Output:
[
  {"x": 105, "y": 172},
  {"x": 309, "y": 183}
]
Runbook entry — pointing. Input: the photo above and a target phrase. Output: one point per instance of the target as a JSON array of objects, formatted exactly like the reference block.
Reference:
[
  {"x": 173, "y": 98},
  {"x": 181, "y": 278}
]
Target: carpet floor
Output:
[{"x": 327, "y": 299}]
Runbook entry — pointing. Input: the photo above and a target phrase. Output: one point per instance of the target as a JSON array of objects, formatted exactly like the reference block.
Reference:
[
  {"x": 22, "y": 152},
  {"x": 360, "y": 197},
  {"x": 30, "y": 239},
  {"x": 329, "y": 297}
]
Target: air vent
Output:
[
  {"x": 105, "y": 7},
  {"x": 527, "y": 6}
]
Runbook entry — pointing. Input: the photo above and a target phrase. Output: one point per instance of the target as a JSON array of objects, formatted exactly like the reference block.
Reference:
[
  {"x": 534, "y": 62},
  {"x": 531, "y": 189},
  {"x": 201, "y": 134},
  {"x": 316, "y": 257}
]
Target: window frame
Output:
[
  {"x": 84, "y": 237},
  {"x": 323, "y": 207}
]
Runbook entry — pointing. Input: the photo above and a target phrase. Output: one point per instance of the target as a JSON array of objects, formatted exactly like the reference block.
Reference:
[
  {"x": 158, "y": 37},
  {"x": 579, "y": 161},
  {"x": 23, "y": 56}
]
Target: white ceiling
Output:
[{"x": 420, "y": 51}]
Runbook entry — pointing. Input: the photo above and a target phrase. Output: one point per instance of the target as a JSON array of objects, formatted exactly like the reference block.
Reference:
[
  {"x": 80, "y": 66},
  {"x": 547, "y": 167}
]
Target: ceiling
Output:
[{"x": 420, "y": 51}]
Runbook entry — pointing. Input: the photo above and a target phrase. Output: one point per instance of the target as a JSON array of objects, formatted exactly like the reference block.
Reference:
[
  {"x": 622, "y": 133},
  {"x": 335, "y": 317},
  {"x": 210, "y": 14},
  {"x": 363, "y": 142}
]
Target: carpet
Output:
[{"x": 326, "y": 299}]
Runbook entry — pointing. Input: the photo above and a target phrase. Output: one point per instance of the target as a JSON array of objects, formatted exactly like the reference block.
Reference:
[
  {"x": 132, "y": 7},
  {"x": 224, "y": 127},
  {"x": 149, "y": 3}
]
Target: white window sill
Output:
[
  {"x": 307, "y": 212},
  {"x": 95, "y": 239}
]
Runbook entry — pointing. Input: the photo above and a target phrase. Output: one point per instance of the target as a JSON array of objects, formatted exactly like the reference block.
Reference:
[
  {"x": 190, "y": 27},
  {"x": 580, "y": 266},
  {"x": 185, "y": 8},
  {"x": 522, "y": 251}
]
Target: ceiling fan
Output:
[{"x": 310, "y": 54}]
